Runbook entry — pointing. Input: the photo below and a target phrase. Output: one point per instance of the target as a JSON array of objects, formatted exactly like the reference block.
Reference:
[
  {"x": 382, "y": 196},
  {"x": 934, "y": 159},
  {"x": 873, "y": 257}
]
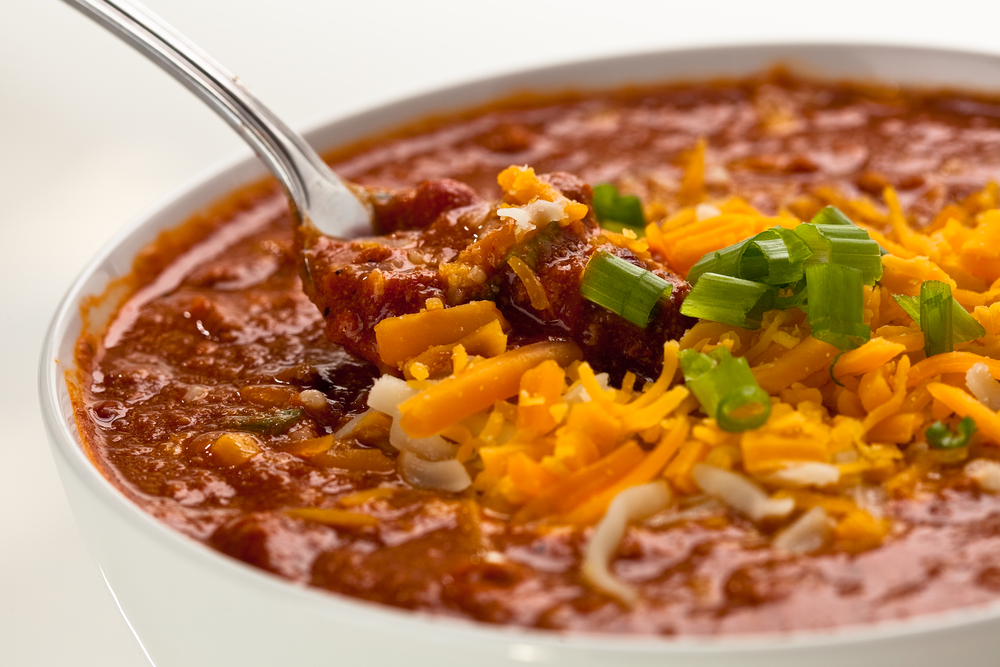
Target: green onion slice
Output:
[
  {"x": 964, "y": 326},
  {"x": 939, "y": 436},
  {"x": 617, "y": 210},
  {"x": 791, "y": 296},
  {"x": 775, "y": 256},
  {"x": 833, "y": 239},
  {"x": 936, "y": 317},
  {"x": 777, "y": 269},
  {"x": 741, "y": 303},
  {"x": 726, "y": 389},
  {"x": 836, "y": 305},
  {"x": 725, "y": 262},
  {"x": 911, "y": 304},
  {"x": 274, "y": 422},
  {"x": 623, "y": 288},
  {"x": 831, "y": 215}
]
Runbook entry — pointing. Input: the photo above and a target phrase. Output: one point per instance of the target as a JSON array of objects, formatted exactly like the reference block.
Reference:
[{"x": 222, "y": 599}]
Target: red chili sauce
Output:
[{"x": 218, "y": 333}]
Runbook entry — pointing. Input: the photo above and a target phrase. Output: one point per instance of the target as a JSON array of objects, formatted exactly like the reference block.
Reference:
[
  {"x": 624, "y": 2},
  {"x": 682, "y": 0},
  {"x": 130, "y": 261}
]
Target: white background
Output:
[{"x": 91, "y": 133}]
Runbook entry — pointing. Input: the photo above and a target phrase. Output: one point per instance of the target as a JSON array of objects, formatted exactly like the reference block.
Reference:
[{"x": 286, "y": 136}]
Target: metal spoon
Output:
[{"x": 317, "y": 195}]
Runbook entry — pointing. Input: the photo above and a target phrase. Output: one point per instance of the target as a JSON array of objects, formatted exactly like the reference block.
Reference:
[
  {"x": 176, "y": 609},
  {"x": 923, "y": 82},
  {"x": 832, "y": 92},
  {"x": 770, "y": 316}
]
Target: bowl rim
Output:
[{"x": 214, "y": 182}]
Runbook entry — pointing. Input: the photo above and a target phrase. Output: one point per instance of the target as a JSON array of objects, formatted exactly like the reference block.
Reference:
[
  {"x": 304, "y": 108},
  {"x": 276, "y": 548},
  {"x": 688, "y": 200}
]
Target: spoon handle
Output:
[{"x": 315, "y": 191}]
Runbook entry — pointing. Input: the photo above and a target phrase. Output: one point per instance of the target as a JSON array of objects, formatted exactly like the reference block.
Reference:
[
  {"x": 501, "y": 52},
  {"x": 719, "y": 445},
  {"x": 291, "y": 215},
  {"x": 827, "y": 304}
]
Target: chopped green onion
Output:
[
  {"x": 274, "y": 422},
  {"x": 611, "y": 207},
  {"x": 936, "y": 317},
  {"x": 836, "y": 305},
  {"x": 834, "y": 241},
  {"x": 623, "y": 288},
  {"x": 775, "y": 257},
  {"x": 741, "y": 303},
  {"x": 939, "y": 436},
  {"x": 911, "y": 304},
  {"x": 964, "y": 326},
  {"x": 772, "y": 269},
  {"x": 831, "y": 215},
  {"x": 726, "y": 389},
  {"x": 791, "y": 296},
  {"x": 744, "y": 408},
  {"x": 725, "y": 262},
  {"x": 833, "y": 368}
]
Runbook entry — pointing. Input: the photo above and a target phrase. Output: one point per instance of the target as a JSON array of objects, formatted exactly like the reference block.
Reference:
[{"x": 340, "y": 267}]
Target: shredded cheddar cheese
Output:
[{"x": 543, "y": 437}]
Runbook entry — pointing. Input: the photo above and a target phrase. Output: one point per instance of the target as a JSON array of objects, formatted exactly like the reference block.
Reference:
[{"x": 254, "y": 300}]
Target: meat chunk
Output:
[
  {"x": 418, "y": 207},
  {"x": 441, "y": 240}
]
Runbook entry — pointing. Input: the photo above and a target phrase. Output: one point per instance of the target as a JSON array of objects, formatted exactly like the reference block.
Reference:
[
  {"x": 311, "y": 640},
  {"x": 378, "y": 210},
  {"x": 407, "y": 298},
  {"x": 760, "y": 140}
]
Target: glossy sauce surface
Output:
[{"x": 224, "y": 333}]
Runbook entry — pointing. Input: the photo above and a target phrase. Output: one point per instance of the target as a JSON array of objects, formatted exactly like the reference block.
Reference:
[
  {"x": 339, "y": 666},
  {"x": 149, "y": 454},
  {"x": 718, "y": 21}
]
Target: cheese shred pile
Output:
[{"x": 537, "y": 435}]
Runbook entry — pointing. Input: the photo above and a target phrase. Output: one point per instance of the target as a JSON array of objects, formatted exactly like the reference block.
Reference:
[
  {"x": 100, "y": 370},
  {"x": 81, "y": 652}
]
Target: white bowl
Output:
[{"x": 189, "y": 605}]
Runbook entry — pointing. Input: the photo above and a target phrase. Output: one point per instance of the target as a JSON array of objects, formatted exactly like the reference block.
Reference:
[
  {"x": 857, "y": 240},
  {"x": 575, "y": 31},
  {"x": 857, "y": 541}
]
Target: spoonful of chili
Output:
[
  {"x": 316, "y": 194},
  {"x": 462, "y": 243}
]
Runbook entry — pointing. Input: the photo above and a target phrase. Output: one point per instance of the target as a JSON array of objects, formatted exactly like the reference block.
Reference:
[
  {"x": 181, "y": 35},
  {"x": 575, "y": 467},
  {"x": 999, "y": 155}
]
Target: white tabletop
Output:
[{"x": 91, "y": 133}]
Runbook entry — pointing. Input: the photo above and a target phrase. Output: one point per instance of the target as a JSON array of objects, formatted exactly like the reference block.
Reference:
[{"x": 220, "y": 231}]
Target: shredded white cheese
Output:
[
  {"x": 433, "y": 448},
  {"x": 740, "y": 493},
  {"x": 808, "y": 473},
  {"x": 806, "y": 534},
  {"x": 706, "y": 507},
  {"x": 447, "y": 475},
  {"x": 870, "y": 498},
  {"x": 530, "y": 216},
  {"x": 983, "y": 386},
  {"x": 986, "y": 473},
  {"x": 388, "y": 392},
  {"x": 349, "y": 427},
  {"x": 632, "y": 504},
  {"x": 578, "y": 394},
  {"x": 706, "y": 212},
  {"x": 385, "y": 396}
]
